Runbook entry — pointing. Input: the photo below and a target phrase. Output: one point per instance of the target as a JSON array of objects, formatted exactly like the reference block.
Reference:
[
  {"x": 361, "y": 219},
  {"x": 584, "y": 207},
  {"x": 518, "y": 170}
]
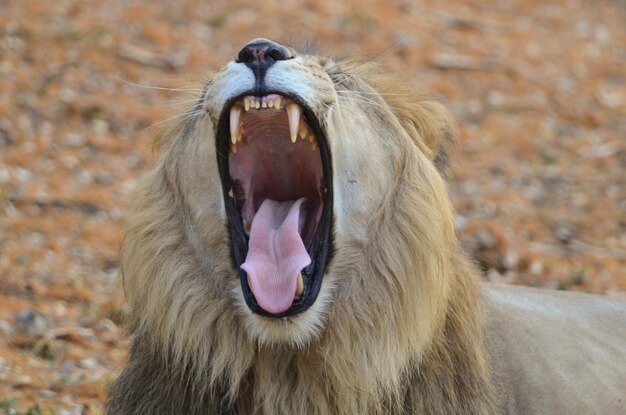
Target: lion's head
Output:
[{"x": 297, "y": 211}]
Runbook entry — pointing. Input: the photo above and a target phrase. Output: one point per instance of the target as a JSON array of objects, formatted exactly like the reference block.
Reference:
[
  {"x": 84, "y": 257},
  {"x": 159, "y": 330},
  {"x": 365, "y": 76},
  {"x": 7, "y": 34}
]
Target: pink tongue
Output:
[{"x": 276, "y": 254}]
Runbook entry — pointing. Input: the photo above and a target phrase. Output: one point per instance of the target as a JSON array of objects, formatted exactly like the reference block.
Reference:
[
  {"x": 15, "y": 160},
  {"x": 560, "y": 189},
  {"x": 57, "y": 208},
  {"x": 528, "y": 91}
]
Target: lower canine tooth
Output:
[
  {"x": 233, "y": 148},
  {"x": 299, "y": 285}
]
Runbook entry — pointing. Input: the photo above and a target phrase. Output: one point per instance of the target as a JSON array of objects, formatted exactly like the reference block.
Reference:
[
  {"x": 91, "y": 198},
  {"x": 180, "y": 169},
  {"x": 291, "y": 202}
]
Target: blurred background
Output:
[{"x": 539, "y": 166}]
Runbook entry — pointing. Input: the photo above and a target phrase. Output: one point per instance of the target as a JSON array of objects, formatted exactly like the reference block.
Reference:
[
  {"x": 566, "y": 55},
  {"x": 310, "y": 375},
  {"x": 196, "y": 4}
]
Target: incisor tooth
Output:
[
  {"x": 300, "y": 285},
  {"x": 277, "y": 103},
  {"x": 293, "y": 113},
  {"x": 246, "y": 103},
  {"x": 235, "y": 114},
  {"x": 257, "y": 104},
  {"x": 303, "y": 132}
]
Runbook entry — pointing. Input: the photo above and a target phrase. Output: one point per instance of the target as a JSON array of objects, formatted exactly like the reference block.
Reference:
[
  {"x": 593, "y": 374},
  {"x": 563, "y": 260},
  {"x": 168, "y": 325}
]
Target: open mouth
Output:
[{"x": 277, "y": 188}]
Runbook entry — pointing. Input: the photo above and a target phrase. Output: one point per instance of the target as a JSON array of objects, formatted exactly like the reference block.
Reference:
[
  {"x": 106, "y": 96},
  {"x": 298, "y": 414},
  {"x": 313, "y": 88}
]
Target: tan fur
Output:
[{"x": 397, "y": 327}]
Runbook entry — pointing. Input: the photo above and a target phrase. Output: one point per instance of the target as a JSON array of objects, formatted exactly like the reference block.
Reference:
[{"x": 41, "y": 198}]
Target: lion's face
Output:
[
  {"x": 294, "y": 153},
  {"x": 287, "y": 200}
]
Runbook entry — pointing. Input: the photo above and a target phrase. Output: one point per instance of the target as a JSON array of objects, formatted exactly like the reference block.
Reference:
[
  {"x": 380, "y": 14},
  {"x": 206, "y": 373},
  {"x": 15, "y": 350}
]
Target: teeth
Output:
[
  {"x": 293, "y": 112},
  {"x": 303, "y": 131},
  {"x": 294, "y": 115},
  {"x": 235, "y": 124},
  {"x": 299, "y": 286},
  {"x": 246, "y": 227}
]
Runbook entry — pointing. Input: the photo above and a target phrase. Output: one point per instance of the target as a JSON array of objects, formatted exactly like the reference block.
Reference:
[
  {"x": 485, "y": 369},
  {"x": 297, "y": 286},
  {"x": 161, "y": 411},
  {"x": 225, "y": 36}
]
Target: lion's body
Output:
[
  {"x": 557, "y": 352},
  {"x": 399, "y": 324}
]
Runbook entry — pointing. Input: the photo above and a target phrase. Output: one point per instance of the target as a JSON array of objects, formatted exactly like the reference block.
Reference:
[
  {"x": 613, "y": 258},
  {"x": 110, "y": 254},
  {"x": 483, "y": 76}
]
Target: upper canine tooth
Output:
[
  {"x": 293, "y": 112},
  {"x": 235, "y": 116}
]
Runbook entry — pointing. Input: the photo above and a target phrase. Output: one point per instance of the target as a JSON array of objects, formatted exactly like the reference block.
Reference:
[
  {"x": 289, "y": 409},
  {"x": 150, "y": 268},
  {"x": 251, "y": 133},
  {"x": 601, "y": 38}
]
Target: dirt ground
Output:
[{"x": 539, "y": 166}]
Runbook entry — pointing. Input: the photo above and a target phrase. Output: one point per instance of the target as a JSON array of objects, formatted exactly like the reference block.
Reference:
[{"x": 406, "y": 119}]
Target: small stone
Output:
[
  {"x": 510, "y": 260},
  {"x": 6, "y": 328},
  {"x": 536, "y": 268},
  {"x": 74, "y": 140},
  {"x": 46, "y": 393},
  {"x": 564, "y": 233},
  {"x": 67, "y": 367},
  {"x": 100, "y": 127},
  {"x": 5, "y": 175},
  {"x": 89, "y": 363},
  {"x": 460, "y": 221},
  {"x": 485, "y": 240},
  {"x": 86, "y": 321},
  {"x": 31, "y": 321},
  {"x": 21, "y": 381},
  {"x": 74, "y": 410}
]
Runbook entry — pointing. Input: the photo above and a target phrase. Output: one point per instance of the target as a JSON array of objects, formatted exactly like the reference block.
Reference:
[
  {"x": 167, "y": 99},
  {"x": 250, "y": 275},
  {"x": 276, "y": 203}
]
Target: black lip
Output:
[{"x": 321, "y": 247}]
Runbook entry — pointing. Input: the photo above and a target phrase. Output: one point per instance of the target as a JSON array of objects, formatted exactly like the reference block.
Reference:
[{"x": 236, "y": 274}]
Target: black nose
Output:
[{"x": 262, "y": 53}]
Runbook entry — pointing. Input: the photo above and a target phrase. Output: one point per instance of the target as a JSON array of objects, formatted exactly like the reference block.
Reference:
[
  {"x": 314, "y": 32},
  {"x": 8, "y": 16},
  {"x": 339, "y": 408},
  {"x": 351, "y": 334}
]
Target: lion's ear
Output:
[{"x": 427, "y": 121}]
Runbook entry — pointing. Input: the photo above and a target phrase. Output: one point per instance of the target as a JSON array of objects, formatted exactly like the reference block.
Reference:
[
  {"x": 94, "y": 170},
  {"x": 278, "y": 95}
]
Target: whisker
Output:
[
  {"x": 184, "y": 117},
  {"x": 161, "y": 88}
]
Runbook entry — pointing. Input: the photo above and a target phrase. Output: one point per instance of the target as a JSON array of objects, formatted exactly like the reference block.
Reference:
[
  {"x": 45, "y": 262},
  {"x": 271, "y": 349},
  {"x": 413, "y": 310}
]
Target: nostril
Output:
[
  {"x": 276, "y": 54},
  {"x": 245, "y": 55}
]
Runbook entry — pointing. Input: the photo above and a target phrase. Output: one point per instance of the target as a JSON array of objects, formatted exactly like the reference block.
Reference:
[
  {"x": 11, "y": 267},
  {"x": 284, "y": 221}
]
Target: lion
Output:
[{"x": 294, "y": 252}]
